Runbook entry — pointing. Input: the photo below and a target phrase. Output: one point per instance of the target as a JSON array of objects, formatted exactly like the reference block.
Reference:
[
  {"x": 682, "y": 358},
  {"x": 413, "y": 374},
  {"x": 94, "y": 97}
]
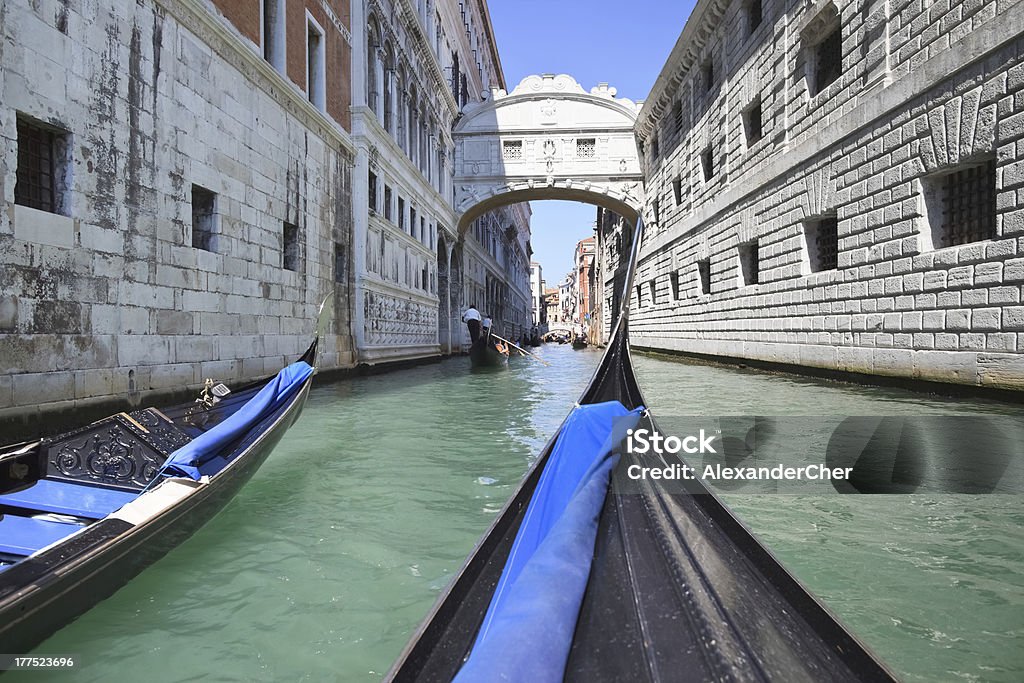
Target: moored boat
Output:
[
  {"x": 580, "y": 580},
  {"x": 85, "y": 511},
  {"x": 579, "y": 343}
]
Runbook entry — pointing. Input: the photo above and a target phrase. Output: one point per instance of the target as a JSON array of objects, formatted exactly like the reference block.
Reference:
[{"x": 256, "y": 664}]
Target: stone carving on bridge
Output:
[{"x": 575, "y": 145}]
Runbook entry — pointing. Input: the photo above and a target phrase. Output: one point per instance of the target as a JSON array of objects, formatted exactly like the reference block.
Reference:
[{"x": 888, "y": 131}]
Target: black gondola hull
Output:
[
  {"x": 483, "y": 355},
  {"x": 45, "y": 592}
]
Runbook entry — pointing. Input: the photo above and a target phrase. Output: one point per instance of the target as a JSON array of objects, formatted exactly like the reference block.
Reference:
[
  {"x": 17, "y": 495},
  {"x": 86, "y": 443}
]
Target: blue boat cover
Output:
[
  {"x": 186, "y": 460},
  {"x": 527, "y": 632},
  {"x": 24, "y": 535},
  {"x": 68, "y": 498}
]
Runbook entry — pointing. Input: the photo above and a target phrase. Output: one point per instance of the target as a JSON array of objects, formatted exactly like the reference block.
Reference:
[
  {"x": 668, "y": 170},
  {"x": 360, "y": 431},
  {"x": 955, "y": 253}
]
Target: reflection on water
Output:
[{"x": 331, "y": 556}]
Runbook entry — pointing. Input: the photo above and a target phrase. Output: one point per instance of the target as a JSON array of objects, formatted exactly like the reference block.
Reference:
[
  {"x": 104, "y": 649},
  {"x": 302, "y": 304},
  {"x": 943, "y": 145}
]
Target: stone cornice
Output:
[
  {"x": 485, "y": 12},
  {"x": 424, "y": 54},
  {"x": 220, "y": 36},
  {"x": 975, "y": 46},
  {"x": 699, "y": 27}
]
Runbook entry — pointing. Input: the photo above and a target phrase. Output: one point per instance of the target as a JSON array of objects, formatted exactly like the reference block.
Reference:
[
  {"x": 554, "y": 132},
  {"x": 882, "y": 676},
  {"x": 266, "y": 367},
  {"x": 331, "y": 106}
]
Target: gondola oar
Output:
[{"x": 519, "y": 348}]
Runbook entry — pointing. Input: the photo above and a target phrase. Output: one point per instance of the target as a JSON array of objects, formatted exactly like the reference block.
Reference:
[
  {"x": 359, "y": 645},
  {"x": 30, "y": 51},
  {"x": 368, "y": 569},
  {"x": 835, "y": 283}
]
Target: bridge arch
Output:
[{"x": 547, "y": 139}]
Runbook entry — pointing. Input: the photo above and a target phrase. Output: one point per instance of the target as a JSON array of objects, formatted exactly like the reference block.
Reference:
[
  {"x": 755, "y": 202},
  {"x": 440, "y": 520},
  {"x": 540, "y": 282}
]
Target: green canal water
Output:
[{"x": 322, "y": 566}]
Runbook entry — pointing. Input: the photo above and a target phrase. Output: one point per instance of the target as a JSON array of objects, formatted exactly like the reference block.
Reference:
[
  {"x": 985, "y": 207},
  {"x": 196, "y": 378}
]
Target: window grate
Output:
[
  {"x": 291, "y": 253},
  {"x": 969, "y": 205},
  {"x": 36, "y": 177},
  {"x": 586, "y": 148},
  {"x": 826, "y": 244},
  {"x": 512, "y": 150},
  {"x": 707, "y": 163},
  {"x": 704, "y": 275},
  {"x": 755, "y": 124},
  {"x": 750, "y": 265},
  {"x": 204, "y": 209},
  {"x": 755, "y": 14},
  {"x": 828, "y": 60}
]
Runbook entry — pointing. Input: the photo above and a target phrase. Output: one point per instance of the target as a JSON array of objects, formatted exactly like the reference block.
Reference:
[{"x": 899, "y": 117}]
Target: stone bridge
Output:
[{"x": 547, "y": 139}]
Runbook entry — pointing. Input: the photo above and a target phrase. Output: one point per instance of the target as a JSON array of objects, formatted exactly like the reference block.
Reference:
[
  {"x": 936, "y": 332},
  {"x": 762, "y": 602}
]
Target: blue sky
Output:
[{"x": 622, "y": 43}]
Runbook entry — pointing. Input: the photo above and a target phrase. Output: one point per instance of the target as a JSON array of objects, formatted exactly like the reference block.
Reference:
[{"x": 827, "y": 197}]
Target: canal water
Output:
[{"x": 322, "y": 566}]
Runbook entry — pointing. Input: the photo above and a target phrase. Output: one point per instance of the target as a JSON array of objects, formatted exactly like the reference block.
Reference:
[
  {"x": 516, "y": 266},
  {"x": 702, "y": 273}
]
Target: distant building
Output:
[
  {"x": 585, "y": 287},
  {"x": 553, "y": 310},
  {"x": 538, "y": 309}
]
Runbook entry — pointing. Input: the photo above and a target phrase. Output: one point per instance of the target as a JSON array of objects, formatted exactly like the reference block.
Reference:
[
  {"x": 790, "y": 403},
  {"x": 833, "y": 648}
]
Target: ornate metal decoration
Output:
[{"x": 125, "y": 450}]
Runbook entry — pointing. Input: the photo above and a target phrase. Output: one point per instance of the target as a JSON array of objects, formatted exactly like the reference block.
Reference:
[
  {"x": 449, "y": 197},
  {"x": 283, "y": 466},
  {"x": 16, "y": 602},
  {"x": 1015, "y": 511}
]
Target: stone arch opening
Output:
[{"x": 547, "y": 139}]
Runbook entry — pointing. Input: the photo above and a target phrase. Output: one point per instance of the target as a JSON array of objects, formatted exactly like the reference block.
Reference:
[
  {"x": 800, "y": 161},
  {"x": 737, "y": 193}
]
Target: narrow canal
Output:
[{"x": 325, "y": 562}]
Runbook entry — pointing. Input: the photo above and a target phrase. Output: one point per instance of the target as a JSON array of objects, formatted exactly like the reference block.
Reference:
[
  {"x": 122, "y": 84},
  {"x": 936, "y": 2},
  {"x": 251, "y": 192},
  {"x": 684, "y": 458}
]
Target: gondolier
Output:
[{"x": 472, "y": 319}]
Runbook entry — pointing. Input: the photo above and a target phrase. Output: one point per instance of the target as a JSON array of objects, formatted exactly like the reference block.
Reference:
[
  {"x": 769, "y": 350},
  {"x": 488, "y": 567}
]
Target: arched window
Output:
[
  {"x": 388, "y": 115},
  {"x": 413, "y": 124},
  {"x": 423, "y": 163},
  {"x": 401, "y": 84},
  {"x": 372, "y": 65}
]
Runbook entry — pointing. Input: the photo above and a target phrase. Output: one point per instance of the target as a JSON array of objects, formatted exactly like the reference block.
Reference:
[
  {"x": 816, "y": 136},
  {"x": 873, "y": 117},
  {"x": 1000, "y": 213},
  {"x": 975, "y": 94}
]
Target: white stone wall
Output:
[
  {"x": 417, "y": 41},
  {"x": 924, "y": 88},
  {"x": 112, "y": 300}
]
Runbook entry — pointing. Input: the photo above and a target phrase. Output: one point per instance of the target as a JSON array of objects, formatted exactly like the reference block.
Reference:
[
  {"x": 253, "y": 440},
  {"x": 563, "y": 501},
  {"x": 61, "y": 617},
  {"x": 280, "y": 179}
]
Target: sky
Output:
[{"x": 624, "y": 44}]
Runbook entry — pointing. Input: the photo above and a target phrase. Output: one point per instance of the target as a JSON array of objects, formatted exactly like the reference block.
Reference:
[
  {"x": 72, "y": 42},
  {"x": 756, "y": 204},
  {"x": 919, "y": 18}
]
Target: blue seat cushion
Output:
[
  {"x": 68, "y": 498},
  {"x": 24, "y": 535}
]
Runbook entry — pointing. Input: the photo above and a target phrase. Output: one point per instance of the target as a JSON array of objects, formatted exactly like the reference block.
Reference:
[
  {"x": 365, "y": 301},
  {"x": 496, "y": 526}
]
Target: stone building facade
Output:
[
  {"x": 421, "y": 62},
  {"x": 839, "y": 185},
  {"x": 175, "y": 179}
]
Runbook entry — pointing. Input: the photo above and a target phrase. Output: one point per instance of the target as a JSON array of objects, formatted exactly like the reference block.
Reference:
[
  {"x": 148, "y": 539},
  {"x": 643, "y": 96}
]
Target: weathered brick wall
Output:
[
  {"x": 925, "y": 87},
  {"x": 112, "y": 300}
]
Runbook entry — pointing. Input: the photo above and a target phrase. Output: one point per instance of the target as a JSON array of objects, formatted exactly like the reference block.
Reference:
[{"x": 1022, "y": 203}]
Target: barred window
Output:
[
  {"x": 828, "y": 60},
  {"x": 707, "y": 163},
  {"x": 755, "y": 14},
  {"x": 653, "y": 286},
  {"x": 822, "y": 238},
  {"x": 656, "y": 210},
  {"x": 704, "y": 275},
  {"x": 387, "y": 202},
  {"x": 401, "y": 213},
  {"x": 749, "y": 262},
  {"x": 708, "y": 74},
  {"x": 753, "y": 123},
  {"x": 39, "y": 167},
  {"x": 673, "y": 281},
  {"x": 967, "y": 204},
  {"x": 677, "y": 116},
  {"x": 512, "y": 150},
  {"x": 677, "y": 189},
  {"x": 291, "y": 253},
  {"x": 204, "y": 211},
  {"x": 585, "y": 148},
  {"x": 371, "y": 182}
]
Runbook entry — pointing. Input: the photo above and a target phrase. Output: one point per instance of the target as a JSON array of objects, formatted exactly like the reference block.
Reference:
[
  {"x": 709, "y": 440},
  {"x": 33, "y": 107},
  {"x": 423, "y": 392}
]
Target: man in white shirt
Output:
[
  {"x": 472, "y": 319},
  {"x": 487, "y": 325}
]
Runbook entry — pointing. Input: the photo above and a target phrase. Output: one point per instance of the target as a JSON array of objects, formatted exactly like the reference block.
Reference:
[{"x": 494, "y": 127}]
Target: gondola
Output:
[
  {"x": 85, "y": 511},
  {"x": 579, "y": 343},
  {"x": 582, "y": 580},
  {"x": 487, "y": 353}
]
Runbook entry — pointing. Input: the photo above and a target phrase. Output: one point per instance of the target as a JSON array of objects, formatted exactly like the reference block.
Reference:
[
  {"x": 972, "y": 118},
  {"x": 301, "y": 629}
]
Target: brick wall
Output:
[
  {"x": 924, "y": 89},
  {"x": 112, "y": 300}
]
